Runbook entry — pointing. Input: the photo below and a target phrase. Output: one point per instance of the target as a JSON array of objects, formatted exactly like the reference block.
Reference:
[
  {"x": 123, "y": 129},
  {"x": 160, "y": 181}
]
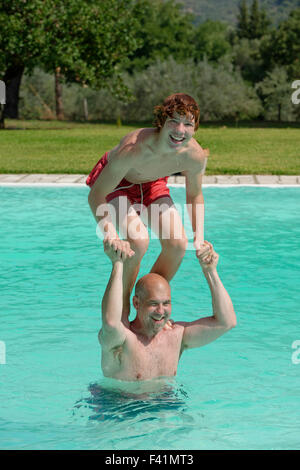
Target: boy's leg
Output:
[
  {"x": 167, "y": 225},
  {"x": 132, "y": 229}
]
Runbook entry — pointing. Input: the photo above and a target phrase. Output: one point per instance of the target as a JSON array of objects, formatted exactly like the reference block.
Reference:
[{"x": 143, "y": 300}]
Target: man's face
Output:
[
  {"x": 154, "y": 308},
  {"x": 179, "y": 129}
]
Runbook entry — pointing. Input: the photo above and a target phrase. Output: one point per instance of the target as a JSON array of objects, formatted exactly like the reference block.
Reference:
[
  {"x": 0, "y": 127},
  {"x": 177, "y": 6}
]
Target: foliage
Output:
[
  {"x": 276, "y": 92},
  {"x": 162, "y": 31},
  {"x": 87, "y": 40},
  {"x": 211, "y": 40},
  {"x": 246, "y": 56},
  {"x": 226, "y": 10},
  {"x": 146, "y": 49},
  {"x": 21, "y": 32},
  {"x": 284, "y": 44},
  {"x": 219, "y": 89},
  {"x": 37, "y": 96},
  {"x": 224, "y": 95},
  {"x": 253, "y": 24}
]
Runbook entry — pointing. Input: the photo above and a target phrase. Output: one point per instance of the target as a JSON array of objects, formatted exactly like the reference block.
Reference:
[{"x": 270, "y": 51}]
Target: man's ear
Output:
[{"x": 135, "y": 301}]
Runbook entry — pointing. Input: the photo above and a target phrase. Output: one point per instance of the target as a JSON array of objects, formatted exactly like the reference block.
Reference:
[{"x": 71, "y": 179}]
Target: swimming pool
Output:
[{"x": 240, "y": 392}]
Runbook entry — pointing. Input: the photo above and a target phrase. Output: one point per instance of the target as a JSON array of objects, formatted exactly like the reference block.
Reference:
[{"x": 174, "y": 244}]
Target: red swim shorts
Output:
[{"x": 142, "y": 193}]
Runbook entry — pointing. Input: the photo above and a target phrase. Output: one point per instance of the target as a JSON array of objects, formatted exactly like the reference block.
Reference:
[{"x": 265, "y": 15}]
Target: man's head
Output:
[
  {"x": 178, "y": 103},
  {"x": 152, "y": 301}
]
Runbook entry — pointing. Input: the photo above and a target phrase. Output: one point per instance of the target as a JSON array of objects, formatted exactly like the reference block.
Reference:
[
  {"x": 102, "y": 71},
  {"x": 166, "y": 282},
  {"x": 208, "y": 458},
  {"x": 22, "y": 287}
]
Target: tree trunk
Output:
[
  {"x": 85, "y": 109},
  {"x": 12, "y": 80},
  {"x": 2, "y": 125},
  {"x": 58, "y": 95},
  {"x": 279, "y": 112}
]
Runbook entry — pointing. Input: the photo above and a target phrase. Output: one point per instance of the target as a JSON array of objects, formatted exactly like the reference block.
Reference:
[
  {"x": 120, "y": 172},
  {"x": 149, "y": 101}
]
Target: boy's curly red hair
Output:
[{"x": 178, "y": 102}]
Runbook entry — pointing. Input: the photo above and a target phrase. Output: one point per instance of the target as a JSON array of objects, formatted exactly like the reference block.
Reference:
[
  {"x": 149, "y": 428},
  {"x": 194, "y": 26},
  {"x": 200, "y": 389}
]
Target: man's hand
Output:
[
  {"x": 117, "y": 250},
  {"x": 207, "y": 257}
]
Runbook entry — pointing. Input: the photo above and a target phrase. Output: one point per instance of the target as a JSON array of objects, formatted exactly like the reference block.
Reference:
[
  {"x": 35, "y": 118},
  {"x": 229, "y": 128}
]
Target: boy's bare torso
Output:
[
  {"x": 142, "y": 359},
  {"x": 149, "y": 162}
]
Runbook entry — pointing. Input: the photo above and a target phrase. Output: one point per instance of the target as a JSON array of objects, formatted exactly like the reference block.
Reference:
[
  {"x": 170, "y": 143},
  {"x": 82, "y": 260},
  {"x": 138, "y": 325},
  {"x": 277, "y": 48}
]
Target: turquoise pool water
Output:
[{"x": 240, "y": 392}]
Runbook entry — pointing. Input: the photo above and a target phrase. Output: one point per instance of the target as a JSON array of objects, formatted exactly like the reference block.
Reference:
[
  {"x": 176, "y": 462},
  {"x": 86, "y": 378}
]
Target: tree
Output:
[
  {"x": 247, "y": 57},
  {"x": 87, "y": 40},
  {"x": 219, "y": 90},
  {"x": 253, "y": 25},
  {"x": 163, "y": 31},
  {"x": 223, "y": 94},
  {"x": 243, "y": 20},
  {"x": 211, "y": 40},
  {"x": 283, "y": 47},
  {"x": 258, "y": 23},
  {"x": 21, "y": 38},
  {"x": 248, "y": 45},
  {"x": 275, "y": 91}
]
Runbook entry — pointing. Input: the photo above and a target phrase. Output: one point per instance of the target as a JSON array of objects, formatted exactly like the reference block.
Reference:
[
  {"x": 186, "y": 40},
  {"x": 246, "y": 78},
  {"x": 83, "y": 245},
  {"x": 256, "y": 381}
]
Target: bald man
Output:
[{"x": 151, "y": 345}]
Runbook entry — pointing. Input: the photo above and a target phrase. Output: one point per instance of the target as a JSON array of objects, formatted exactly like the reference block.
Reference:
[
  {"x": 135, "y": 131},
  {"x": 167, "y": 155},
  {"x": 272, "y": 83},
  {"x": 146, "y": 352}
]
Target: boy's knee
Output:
[
  {"x": 139, "y": 246},
  {"x": 176, "y": 246}
]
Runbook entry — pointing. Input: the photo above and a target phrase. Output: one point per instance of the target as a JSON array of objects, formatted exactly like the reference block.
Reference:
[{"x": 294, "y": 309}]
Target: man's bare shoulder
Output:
[{"x": 103, "y": 338}]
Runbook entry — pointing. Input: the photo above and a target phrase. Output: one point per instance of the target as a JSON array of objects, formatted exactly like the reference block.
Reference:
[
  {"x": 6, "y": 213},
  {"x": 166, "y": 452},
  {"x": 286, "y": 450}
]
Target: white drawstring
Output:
[{"x": 142, "y": 195}]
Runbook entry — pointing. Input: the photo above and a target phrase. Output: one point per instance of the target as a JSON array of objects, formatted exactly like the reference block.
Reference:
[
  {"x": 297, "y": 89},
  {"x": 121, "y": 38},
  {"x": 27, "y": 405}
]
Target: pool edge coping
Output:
[{"x": 78, "y": 180}]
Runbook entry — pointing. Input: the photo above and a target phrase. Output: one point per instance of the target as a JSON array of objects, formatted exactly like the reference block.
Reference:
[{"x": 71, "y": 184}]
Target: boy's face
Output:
[{"x": 179, "y": 129}]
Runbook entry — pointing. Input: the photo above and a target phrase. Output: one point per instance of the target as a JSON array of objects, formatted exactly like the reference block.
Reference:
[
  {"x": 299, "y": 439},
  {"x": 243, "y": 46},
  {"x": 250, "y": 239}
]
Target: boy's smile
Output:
[{"x": 180, "y": 129}]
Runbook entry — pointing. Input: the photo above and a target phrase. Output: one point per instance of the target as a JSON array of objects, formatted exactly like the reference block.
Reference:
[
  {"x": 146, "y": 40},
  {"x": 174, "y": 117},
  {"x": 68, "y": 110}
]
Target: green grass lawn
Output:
[{"x": 67, "y": 147}]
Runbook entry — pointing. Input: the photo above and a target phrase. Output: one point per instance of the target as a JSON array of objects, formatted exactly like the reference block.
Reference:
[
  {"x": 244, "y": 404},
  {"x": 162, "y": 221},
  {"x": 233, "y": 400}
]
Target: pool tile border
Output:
[{"x": 78, "y": 179}]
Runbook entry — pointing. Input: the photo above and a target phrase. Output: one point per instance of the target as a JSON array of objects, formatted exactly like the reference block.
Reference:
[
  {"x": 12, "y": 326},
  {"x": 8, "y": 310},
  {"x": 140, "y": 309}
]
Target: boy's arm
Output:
[
  {"x": 113, "y": 332},
  {"x": 205, "y": 330},
  {"x": 194, "y": 196},
  {"x": 116, "y": 168}
]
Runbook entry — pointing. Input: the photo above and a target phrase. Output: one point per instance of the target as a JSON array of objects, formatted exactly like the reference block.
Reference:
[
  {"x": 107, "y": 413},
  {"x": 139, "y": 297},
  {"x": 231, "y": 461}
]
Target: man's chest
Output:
[{"x": 159, "y": 358}]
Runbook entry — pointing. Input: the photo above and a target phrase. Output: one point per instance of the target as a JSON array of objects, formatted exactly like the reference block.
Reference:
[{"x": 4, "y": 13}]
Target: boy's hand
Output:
[
  {"x": 117, "y": 250},
  {"x": 198, "y": 245}
]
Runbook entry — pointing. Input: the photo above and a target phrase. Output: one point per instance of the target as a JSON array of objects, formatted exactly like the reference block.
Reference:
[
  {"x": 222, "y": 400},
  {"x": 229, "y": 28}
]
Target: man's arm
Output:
[
  {"x": 113, "y": 332},
  {"x": 205, "y": 330}
]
